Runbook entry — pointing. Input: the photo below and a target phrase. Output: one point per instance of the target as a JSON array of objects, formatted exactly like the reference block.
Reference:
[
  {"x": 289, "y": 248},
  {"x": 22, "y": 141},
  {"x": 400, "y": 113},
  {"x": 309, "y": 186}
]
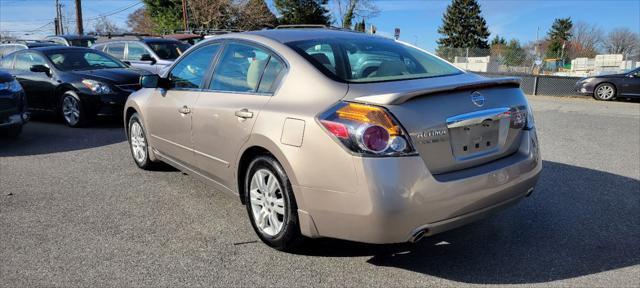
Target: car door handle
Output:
[
  {"x": 244, "y": 113},
  {"x": 184, "y": 110}
]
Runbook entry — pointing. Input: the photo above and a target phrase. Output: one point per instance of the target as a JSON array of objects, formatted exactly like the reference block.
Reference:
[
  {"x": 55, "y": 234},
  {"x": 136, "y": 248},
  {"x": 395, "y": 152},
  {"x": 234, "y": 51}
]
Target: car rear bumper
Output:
[{"x": 396, "y": 198}]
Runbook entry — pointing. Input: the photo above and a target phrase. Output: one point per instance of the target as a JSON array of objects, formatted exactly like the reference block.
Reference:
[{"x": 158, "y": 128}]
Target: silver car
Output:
[
  {"x": 149, "y": 53},
  {"x": 314, "y": 147}
]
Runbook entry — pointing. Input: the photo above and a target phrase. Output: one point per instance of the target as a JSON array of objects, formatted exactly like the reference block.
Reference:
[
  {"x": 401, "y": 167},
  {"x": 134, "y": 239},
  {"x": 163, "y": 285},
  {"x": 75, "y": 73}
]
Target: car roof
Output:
[
  {"x": 295, "y": 34},
  {"x": 73, "y": 36},
  {"x": 55, "y": 48}
]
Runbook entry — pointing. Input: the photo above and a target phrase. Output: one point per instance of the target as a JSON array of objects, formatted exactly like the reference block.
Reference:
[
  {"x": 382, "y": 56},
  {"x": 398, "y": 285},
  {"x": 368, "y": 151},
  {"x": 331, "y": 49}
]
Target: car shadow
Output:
[
  {"x": 46, "y": 134},
  {"x": 578, "y": 222}
]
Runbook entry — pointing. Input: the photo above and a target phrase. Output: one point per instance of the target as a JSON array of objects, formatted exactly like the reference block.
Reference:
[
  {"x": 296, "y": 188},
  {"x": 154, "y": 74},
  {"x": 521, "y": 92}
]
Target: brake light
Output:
[{"x": 366, "y": 129}]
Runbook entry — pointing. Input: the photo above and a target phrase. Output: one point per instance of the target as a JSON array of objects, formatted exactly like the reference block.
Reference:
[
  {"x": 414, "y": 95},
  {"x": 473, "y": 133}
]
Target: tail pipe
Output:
[{"x": 417, "y": 236}]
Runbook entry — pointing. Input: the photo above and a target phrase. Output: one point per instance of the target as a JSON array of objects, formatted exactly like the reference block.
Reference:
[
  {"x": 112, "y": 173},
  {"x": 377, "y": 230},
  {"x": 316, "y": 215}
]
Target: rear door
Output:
[
  {"x": 243, "y": 82},
  {"x": 169, "y": 113}
]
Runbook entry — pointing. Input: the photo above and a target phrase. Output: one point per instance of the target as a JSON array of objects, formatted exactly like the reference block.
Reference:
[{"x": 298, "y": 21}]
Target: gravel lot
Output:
[{"x": 76, "y": 211}]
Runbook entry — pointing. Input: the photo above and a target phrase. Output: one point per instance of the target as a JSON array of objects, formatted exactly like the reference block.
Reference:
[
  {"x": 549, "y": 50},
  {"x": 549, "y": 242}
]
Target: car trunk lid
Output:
[{"x": 454, "y": 122}]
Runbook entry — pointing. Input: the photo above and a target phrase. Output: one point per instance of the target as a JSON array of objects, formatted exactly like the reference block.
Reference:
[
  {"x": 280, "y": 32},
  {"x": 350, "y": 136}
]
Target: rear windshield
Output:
[
  {"x": 168, "y": 50},
  {"x": 82, "y": 42},
  {"x": 371, "y": 59}
]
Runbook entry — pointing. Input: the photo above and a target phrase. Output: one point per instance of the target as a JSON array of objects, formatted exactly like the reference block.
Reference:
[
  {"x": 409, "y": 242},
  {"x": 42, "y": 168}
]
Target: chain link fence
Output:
[{"x": 539, "y": 76}]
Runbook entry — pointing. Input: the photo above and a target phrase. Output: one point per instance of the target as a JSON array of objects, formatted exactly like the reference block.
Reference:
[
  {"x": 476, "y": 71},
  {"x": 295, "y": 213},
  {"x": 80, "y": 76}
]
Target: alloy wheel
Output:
[
  {"x": 605, "y": 92},
  {"x": 71, "y": 110},
  {"x": 267, "y": 202},
  {"x": 138, "y": 142}
]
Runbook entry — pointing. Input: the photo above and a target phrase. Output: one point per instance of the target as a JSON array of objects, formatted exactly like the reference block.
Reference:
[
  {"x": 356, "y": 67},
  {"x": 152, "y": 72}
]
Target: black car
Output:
[
  {"x": 72, "y": 40},
  {"x": 79, "y": 83},
  {"x": 608, "y": 87},
  {"x": 13, "y": 105}
]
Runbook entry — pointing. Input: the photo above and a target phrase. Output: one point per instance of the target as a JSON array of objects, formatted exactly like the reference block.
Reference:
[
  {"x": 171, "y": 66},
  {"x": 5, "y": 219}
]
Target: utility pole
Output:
[
  {"x": 79, "y": 17},
  {"x": 57, "y": 20},
  {"x": 184, "y": 15},
  {"x": 60, "y": 29}
]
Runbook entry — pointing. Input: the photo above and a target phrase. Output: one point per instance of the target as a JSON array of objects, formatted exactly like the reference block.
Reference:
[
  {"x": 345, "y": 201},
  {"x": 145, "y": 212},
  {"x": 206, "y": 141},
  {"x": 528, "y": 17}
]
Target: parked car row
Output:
[{"x": 61, "y": 74}]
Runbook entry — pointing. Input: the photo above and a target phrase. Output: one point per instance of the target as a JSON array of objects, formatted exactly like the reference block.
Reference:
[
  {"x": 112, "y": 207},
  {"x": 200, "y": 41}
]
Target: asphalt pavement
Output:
[{"x": 76, "y": 211}]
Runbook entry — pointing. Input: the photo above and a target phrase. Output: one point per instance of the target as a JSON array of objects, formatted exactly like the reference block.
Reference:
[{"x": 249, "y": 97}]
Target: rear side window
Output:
[
  {"x": 271, "y": 76},
  {"x": 240, "y": 68},
  {"x": 116, "y": 50},
  {"x": 7, "y": 62},
  {"x": 189, "y": 72},
  {"x": 371, "y": 59}
]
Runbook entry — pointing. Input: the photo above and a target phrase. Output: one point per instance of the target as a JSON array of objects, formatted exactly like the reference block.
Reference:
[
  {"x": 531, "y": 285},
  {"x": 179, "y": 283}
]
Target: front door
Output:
[
  {"x": 631, "y": 84},
  {"x": 170, "y": 111},
  {"x": 38, "y": 86},
  {"x": 226, "y": 111}
]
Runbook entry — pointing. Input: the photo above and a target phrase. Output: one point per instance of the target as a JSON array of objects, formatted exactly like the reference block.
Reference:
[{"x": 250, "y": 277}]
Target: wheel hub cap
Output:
[
  {"x": 71, "y": 110},
  {"x": 138, "y": 143},
  {"x": 267, "y": 202}
]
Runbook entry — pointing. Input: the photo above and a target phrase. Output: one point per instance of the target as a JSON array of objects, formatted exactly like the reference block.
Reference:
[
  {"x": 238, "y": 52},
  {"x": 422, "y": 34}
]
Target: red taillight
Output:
[
  {"x": 373, "y": 138},
  {"x": 337, "y": 129},
  {"x": 366, "y": 129}
]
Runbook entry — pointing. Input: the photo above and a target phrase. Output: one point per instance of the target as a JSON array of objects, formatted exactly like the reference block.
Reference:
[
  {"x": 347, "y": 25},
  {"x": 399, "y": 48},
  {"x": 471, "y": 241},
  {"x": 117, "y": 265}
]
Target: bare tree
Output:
[
  {"x": 214, "y": 14},
  {"x": 140, "y": 21},
  {"x": 104, "y": 26},
  {"x": 623, "y": 41},
  {"x": 586, "y": 40},
  {"x": 353, "y": 9},
  {"x": 254, "y": 15}
]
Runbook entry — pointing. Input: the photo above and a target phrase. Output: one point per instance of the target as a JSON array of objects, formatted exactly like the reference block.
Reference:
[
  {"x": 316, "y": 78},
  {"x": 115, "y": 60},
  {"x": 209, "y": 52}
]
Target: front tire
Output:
[
  {"x": 138, "y": 143},
  {"x": 604, "y": 92},
  {"x": 73, "y": 111},
  {"x": 271, "y": 204}
]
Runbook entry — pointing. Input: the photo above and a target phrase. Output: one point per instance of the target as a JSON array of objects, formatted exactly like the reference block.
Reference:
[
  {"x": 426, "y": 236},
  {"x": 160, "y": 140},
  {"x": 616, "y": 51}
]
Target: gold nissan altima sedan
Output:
[{"x": 328, "y": 133}]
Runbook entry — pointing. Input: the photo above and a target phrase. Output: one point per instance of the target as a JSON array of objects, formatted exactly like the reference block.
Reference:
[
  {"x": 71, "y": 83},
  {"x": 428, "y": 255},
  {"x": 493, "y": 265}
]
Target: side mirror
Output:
[
  {"x": 147, "y": 57},
  {"x": 40, "y": 69},
  {"x": 153, "y": 81},
  {"x": 127, "y": 62}
]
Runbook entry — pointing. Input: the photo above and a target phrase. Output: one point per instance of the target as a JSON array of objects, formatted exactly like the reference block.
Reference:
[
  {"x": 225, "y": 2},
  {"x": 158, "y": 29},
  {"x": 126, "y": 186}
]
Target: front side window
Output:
[
  {"x": 239, "y": 69},
  {"x": 135, "y": 51},
  {"x": 116, "y": 50},
  {"x": 73, "y": 60},
  {"x": 24, "y": 61},
  {"x": 190, "y": 71},
  {"x": 371, "y": 59}
]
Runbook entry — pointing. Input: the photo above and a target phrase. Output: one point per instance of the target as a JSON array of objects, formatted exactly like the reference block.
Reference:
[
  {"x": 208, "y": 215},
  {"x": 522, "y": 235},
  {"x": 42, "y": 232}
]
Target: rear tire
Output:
[
  {"x": 604, "y": 92},
  {"x": 271, "y": 205}
]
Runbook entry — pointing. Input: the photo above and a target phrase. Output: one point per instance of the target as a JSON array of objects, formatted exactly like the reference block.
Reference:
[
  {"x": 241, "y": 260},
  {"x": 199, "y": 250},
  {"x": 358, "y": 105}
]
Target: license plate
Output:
[{"x": 476, "y": 138}]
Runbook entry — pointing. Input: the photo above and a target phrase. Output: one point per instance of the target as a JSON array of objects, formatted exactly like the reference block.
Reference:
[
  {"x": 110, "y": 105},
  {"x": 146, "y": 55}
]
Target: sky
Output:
[{"x": 418, "y": 20}]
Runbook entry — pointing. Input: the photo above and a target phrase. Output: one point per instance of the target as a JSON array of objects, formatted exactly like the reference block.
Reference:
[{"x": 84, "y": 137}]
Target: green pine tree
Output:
[
  {"x": 463, "y": 27},
  {"x": 559, "y": 35},
  {"x": 514, "y": 54},
  {"x": 303, "y": 12}
]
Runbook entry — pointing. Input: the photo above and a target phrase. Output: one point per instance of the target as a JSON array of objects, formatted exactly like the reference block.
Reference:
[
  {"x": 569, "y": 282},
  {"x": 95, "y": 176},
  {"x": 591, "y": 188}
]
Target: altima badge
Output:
[{"x": 477, "y": 98}]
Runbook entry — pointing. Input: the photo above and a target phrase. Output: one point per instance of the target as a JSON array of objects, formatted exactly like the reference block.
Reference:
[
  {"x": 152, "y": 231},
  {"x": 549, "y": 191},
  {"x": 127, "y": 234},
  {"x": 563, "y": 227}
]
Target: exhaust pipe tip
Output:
[
  {"x": 529, "y": 192},
  {"x": 418, "y": 235}
]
